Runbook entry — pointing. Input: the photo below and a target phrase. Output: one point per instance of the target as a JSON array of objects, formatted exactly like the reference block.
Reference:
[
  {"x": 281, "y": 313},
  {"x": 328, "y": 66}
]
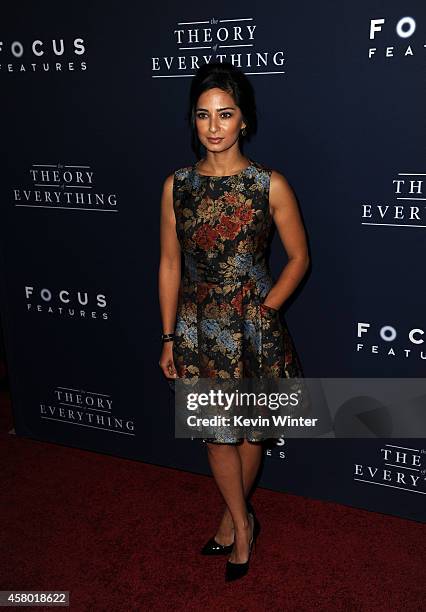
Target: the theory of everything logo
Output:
[
  {"x": 402, "y": 469},
  {"x": 408, "y": 212},
  {"x": 89, "y": 409},
  {"x": 215, "y": 39},
  {"x": 66, "y": 186}
]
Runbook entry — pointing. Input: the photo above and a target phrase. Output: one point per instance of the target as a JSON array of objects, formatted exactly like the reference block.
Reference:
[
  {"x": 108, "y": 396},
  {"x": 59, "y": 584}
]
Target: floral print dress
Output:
[{"x": 223, "y": 329}]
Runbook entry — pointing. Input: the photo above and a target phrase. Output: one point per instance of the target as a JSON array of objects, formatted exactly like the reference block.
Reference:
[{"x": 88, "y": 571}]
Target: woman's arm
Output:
[
  {"x": 285, "y": 212},
  {"x": 169, "y": 273}
]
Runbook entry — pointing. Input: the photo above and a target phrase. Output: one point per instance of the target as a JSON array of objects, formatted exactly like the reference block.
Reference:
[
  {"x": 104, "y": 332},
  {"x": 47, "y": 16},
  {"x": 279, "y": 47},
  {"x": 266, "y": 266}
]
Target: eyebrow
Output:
[{"x": 218, "y": 109}]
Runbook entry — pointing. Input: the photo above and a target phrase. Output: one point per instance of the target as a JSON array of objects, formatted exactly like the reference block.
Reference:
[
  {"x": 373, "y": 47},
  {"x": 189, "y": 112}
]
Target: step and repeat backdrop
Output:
[{"x": 94, "y": 100}]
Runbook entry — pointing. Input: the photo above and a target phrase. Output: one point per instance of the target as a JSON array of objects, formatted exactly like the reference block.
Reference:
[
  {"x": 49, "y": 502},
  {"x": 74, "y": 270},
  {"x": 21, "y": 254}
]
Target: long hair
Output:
[{"x": 227, "y": 77}]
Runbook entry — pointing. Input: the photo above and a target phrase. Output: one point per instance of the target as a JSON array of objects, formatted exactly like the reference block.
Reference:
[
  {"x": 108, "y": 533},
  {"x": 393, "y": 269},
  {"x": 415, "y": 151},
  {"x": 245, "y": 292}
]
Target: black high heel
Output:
[
  {"x": 234, "y": 571},
  {"x": 213, "y": 548}
]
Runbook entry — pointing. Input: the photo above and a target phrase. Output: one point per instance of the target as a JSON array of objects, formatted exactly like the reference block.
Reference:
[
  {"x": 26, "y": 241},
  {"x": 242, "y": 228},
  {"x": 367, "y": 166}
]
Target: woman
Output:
[{"x": 221, "y": 319}]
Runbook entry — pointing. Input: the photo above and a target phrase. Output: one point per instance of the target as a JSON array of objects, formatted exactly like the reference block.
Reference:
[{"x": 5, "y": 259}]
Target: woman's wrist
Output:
[{"x": 269, "y": 306}]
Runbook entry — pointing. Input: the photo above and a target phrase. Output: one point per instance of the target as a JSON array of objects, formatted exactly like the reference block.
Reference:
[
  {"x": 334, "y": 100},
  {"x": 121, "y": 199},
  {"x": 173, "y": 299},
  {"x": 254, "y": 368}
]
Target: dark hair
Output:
[{"x": 227, "y": 77}]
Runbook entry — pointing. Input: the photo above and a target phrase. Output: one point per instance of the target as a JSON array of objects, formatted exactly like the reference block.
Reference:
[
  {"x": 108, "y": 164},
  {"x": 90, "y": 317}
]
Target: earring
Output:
[{"x": 243, "y": 131}]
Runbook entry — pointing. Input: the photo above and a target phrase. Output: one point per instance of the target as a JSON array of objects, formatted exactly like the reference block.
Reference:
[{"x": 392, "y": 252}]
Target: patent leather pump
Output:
[
  {"x": 213, "y": 548},
  {"x": 234, "y": 571}
]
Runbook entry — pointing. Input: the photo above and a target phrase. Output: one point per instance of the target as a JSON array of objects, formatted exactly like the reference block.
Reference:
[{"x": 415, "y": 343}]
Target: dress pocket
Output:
[
  {"x": 271, "y": 340},
  {"x": 267, "y": 311}
]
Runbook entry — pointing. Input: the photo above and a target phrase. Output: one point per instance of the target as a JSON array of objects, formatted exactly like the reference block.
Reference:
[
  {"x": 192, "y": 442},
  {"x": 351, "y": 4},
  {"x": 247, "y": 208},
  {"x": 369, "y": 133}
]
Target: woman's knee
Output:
[{"x": 217, "y": 447}]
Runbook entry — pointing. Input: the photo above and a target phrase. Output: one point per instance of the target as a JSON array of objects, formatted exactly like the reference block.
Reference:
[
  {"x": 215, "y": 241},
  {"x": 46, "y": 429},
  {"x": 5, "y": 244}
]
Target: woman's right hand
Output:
[{"x": 166, "y": 362}]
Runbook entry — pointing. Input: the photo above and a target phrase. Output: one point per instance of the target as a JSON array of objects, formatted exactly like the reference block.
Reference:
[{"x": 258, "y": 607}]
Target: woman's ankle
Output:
[{"x": 244, "y": 526}]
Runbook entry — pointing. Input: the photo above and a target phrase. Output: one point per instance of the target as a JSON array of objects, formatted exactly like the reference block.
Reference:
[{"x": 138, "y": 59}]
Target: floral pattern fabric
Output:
[{"x": 223, "y": 329}]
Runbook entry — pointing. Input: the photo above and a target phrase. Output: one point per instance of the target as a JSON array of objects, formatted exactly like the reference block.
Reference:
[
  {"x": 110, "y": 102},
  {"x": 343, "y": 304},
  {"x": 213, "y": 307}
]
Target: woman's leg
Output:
[
  {"x": 251, "y": 456},
  {"x": 234, "y": 468}
]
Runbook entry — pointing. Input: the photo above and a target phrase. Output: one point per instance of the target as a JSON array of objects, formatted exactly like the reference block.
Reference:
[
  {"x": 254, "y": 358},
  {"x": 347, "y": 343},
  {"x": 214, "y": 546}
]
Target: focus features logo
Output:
[
  {"x": 66, "y": 303},
  {"x": 56, "y": 55},
  {"x": 385, "y": 341},
  {"x": 394, "y": 39}
]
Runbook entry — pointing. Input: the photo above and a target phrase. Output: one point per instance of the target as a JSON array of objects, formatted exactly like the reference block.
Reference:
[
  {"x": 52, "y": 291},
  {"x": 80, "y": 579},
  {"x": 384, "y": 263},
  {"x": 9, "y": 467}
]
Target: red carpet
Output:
[{"x": 124, "y": 535}]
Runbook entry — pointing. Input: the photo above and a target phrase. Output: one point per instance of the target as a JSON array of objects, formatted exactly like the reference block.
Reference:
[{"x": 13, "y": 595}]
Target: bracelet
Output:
[{"x": 167, "y": 337}]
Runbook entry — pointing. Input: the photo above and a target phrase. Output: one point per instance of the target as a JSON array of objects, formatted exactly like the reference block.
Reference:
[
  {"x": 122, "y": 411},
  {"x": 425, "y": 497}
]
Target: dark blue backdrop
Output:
[{"x": 94, "y": 103}]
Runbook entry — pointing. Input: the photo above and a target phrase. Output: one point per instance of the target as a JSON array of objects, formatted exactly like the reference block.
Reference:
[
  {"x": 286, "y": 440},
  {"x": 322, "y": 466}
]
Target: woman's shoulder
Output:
[
  {"x": 183, "y": 172},
  {"x": 275, "y": 175},
  {"x": 262, "y": 173},
  {"x": 177, "y": 177},
  {"x": 264, "y": 167}
]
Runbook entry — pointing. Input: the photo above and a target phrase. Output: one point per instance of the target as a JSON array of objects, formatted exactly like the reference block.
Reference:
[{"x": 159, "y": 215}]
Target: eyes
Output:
[{"x": 224, "y": 115}]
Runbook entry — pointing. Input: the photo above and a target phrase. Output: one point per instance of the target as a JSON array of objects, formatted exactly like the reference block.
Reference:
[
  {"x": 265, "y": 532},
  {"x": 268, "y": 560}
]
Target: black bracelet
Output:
[{"x": 167, "y": 337}]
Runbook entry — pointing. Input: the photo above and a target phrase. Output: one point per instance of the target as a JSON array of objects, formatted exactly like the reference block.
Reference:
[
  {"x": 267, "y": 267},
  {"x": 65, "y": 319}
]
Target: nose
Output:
[{"x": 213, "y": 125}]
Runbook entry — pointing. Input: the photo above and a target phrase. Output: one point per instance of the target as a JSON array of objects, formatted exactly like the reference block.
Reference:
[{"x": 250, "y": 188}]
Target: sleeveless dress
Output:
[{"x": 223, "y": 329}]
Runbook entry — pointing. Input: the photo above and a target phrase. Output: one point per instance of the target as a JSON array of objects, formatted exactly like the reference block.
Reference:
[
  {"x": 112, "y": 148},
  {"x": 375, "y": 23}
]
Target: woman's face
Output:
[{"x": 218, "y": 120}]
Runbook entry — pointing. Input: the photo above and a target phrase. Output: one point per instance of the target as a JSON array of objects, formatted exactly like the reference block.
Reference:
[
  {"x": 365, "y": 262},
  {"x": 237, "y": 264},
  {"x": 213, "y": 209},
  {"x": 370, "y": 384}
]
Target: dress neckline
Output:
[{"x": 217, "y": 176}]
